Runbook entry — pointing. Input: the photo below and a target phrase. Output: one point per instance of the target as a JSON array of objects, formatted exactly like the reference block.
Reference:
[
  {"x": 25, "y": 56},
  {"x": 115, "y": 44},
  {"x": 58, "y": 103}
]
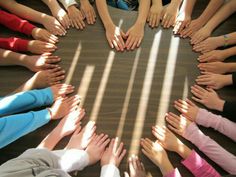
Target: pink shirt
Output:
[
  {"x": 198, "y": 167},
  {"x": 207, "y": 145}
]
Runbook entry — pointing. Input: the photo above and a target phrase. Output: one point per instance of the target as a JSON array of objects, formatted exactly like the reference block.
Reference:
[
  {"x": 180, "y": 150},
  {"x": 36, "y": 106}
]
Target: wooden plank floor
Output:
[{"x": 135, "y": 88}]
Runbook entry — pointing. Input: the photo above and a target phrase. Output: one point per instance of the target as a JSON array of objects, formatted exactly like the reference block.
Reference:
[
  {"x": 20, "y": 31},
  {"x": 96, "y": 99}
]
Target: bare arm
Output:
[{"x": 228, "y": 9}]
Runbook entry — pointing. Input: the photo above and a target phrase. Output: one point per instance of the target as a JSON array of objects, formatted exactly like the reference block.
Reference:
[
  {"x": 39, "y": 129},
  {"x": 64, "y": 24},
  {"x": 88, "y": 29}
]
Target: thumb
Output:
[{"x": 126, "y": 174}]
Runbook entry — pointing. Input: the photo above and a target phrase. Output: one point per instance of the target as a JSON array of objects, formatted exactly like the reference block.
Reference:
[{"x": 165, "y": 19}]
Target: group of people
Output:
[{"x": 85, "y": 146}]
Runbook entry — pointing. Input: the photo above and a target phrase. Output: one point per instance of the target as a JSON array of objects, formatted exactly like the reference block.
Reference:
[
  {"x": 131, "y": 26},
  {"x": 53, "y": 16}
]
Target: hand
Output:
[
  {"x": 53, "y": 26},
  {"x": 115, "y": 37},
  {"x": 154, "y": 15},
  {"x": 40, "y": 62},
  {"x": 76, "y": 17},
  {"x": 134, "y": 36},
  {"x": 70, "y": 123},
  {"x": 157, "y": 154},
  {"x": 169, "y": 15},
  {"x": 208, "y": 98},
  {"x": 88, "y": 11},
  {"x": 182, "y": 22},
  {"x": 39, "y": 47},
  {"x": 136, "y": 168},
  {"x": 200, "y": 35},
  {"x": 214, "y": 81},
  {"x": 208, "y": 44},
  {"x": 178, "y": 124},
  {"x": 80, "y": 140},
  {"x": 214, "y": 67},
  {"x": 64, "y": 106},
  {"x": 61, "y": 90},
  {"x": 97, "y": 147},
  {"x": 113, "y": 154},
  {"x": 187, "y": 108},
  {"x": 214, "y": 55},
  {"x": 61, "y": 16},
  {"x": 44, "y": 35},
  {"x": 193, "y": 27}
]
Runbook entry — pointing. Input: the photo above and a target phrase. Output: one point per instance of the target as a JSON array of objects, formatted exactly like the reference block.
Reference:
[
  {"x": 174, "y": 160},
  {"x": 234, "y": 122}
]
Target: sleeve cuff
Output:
[
  {"x": 110, "y": 170},
  {"x": 28, "y": 28},
  {"x": 201, "y": 116},
  {"x": 42, "y": 117},
  {"x": 48, "y": 95},
  {"x": 72, "y": 159},
  {"x": 193, "y": 161},
  {"x": 190, "y": 130},
  {"x": 21, "y": 45},
  {"x": 173, "y": 173}
]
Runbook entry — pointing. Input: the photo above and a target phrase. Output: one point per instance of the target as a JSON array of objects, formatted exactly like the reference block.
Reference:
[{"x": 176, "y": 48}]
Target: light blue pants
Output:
[{"x": 15, "y": 126}]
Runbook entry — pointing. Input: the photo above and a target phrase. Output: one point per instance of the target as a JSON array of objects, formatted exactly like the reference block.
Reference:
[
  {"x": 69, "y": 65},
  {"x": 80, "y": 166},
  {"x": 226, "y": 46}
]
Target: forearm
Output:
[
  {"x": 51, "y": 140},
  {"x": 7, "y": 57},
  {"x": 211, "y": 9},
  {"x": 219, "y": 123},
  {"x": 144, "y": 7},
  {"x": 23, "y": 11},
  {"x": 223, "y": 13},
  {"x": 230, "y": 67},
  {"x": 187, "y": 7},
  {"x": 229, "y": 52},
  {"x": 104, "y": 13},
  {"x": 209, "y": 147},
  {"x": 52, "y": 4}
]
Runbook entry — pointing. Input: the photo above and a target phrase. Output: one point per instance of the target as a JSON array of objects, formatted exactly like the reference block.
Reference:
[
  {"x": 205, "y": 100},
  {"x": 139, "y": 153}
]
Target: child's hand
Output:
[
  {"x": 169, "y": 15},
  {"x": 136, "y": 168},
  {"x": 44, "y": 35},
  {"x": 154, "y": 15},
  {"x": 212, "y": 56},
  {"x": 214, "y": 67},
  {"x": 134, "y": 36},
  {"x": 88, "y": 11},
  {"x": 200, "y": 35},
  {"x": 208, "y": 98},
  {"x": 187, "y": 108},
  {"x": 113, "y": 154},
  {"x": 76, "y": 17},
  {"x": 97, "y": 147},
  {"x": 115, "y": 37},
  {"x": 182, "y": 22},
  {"x": 53, "y": 26},
  {"x": 40, "y": 47},
  {"x": 193, "y": 27}
]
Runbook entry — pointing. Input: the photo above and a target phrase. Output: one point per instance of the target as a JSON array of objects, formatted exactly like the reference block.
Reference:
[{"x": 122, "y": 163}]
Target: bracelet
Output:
[{"x": 226, "y": 39}]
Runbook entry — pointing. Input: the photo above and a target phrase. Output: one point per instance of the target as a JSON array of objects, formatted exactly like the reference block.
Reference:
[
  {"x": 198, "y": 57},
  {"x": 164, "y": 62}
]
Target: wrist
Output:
[
  {"x": 219, "y": 105},
  {"x": 109, "y": 25},
  {"x": 227, "y": 79},
  {"x": 183, "y": 151},
  {"x": 166, "y": 167}
]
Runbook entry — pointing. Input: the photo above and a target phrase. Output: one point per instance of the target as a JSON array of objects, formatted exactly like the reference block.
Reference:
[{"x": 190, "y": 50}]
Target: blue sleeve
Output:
[
  {"x": 15, "y": 126},
  {"x": 25, "y": 101}
]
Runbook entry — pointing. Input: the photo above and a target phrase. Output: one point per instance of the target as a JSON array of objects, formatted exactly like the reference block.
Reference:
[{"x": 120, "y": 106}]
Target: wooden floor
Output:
[{"x": 126, "y": 93}]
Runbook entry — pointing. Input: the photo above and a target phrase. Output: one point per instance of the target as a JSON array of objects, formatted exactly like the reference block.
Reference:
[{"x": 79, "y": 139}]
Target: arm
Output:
[
  {"x": 135, "y": 34},
  {"x": 49, "y": 22},
  {"x": 114, "y": 34},
  {"x": 209, "y": 147},
  {"x": 25, "y": 101},
  {"x": 225, "y": 11},
  {"x": 223, "y": 125},
  {"x": 15, "y": 44},
  {"x": 16, "y": 126},
  {"x": 198, "y": 166},
  {"x": 211, "y": 9},
  {"x": 15, "y": 23}
]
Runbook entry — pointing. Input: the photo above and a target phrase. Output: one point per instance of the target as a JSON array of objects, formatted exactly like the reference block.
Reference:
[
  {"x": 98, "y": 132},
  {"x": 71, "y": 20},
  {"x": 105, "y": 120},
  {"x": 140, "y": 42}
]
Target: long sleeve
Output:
[
  {"x": 15, "y": 44},
  {"x": 110, "y": 171},
  {"x": 72, "y": 159},
  {"x": 229, "y": 110},
  {"x": 174, "y": 173},
  {"x": 209, "y": 147},
  {"x": 223, "y": 125},
  {"x": 15, "y": 126},
  {"x": 68, "y": 3},
  {"x": 15, "y": 23},
  {"x": 25, "y": 101},
  {"x": 198, "y": 166}
]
